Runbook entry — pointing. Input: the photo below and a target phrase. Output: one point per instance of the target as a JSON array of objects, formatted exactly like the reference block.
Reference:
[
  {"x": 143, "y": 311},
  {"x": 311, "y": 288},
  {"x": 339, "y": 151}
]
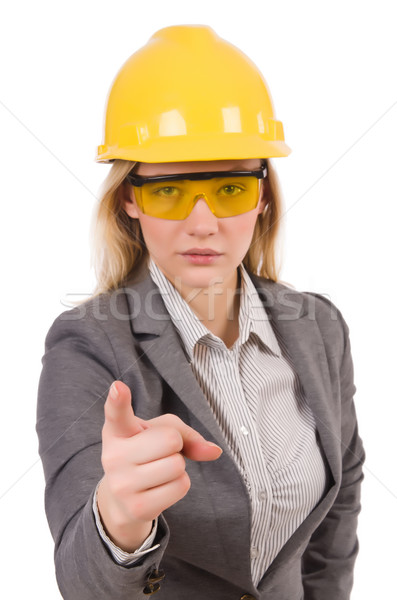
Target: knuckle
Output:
[
  {"x": 116, "y": 460},
  {"x": 185, "y": 483},
  {"x": 169, "y": 420},
  {"x": 172, "y": 419},
  {"x": 173, "y": 439},
  {"x": 178, "y": 464},
  {"x": 108, "y": 462},
  {"x": 110, "y": 459}
]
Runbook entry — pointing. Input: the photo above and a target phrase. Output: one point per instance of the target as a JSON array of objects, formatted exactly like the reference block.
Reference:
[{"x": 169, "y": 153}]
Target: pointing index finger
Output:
[{"x": 120, "y": 420}]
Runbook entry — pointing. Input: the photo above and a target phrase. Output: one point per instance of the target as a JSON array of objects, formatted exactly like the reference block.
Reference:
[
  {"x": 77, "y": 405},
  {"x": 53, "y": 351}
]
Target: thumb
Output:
[{"x": 120, "y": 420}]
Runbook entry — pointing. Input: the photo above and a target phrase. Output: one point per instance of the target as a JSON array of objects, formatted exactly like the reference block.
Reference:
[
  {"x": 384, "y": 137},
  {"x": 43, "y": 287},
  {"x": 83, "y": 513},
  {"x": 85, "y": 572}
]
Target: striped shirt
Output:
[{"x": 259, "y": 404}]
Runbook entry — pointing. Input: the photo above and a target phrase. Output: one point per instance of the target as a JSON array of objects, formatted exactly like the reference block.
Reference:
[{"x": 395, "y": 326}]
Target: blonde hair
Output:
[{"x": 118, "y": 247}]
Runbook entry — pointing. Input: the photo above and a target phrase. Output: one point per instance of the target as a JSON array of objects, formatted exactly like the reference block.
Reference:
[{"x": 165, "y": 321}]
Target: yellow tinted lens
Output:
[
  {"x": 166, "y": 200},
  {"x": 226, "y": 196},
  {"x": 233, "y": 196}
]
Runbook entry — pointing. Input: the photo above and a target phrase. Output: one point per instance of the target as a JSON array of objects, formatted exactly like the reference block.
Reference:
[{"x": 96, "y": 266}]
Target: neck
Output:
[{"x": 217, "y": 306}]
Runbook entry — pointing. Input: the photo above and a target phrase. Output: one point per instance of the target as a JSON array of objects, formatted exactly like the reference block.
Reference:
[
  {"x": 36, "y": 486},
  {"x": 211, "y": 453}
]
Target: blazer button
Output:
[
  {"x": 151, "y": 588},
  {"x": 247, "y": 597},
  {"x": 155, "y": 576}
]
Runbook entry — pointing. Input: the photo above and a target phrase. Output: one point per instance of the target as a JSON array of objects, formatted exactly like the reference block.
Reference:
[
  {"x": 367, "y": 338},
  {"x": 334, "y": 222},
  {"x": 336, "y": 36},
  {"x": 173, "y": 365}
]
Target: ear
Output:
[{"x": 127, "y": 200}]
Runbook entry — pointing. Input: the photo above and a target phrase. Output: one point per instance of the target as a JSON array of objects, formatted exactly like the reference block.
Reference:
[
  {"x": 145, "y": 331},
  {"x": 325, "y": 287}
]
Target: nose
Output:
[{"x": 201, "y": 221}]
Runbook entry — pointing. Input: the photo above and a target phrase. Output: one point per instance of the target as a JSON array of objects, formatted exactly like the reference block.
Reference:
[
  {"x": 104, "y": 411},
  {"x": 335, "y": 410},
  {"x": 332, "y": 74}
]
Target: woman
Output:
[{"x": 192, "y": 349}]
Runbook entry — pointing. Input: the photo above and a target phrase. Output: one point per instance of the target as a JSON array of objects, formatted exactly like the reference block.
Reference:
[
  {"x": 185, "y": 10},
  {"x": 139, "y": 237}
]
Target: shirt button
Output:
[
  {"x": 262, "y": 495},
  {"x": 254, "y": 552},
  {"x": 244, "y": 430}
]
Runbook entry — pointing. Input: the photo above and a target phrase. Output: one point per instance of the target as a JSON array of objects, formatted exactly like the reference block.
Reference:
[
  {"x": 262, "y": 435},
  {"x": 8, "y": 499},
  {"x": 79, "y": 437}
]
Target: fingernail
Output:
[{"x": 114, "y": 391}]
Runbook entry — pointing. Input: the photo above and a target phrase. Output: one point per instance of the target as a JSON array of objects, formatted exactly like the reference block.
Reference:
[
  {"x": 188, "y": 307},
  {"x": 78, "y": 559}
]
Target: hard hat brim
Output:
[{"x": 180, "y": 149}]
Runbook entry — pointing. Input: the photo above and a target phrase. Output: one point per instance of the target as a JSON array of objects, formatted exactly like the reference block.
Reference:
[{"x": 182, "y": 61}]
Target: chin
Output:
[{"x": 204, "y": 279}]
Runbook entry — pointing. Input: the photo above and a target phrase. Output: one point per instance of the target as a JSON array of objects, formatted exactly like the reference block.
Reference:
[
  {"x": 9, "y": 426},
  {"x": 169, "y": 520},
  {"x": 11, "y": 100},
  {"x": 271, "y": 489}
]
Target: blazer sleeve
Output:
[
  {"x": 328, "y": 562},
  {"x": 79, "y": 366}
]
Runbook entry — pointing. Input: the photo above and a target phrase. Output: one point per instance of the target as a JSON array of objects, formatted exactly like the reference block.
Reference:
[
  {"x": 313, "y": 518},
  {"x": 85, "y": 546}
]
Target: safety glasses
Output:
[{"x": 227, "y": 193}]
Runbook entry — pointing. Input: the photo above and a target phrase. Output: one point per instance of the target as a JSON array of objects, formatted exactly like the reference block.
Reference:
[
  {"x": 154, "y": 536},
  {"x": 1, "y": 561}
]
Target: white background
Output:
[{"x": 331, "y": 68}]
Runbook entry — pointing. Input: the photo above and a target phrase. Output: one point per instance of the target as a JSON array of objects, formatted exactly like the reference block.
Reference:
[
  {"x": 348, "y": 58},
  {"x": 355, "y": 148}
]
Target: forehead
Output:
[{"x": 151, "y": 169}]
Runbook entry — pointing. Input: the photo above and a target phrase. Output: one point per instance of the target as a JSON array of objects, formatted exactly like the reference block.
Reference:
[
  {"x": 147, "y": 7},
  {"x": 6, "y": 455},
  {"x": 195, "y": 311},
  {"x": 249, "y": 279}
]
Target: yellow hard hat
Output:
[{"x": 189, "y": 95}]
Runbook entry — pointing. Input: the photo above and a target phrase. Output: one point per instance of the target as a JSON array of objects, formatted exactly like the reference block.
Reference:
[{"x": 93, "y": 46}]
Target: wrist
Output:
[{"x": 126, "y": 533}]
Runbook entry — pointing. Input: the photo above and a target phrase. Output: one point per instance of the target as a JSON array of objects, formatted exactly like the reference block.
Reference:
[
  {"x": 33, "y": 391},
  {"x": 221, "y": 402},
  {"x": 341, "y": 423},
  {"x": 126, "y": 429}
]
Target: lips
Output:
[
  {"x": 202, "y": 252},
  {"x": 201, "y": 257}
]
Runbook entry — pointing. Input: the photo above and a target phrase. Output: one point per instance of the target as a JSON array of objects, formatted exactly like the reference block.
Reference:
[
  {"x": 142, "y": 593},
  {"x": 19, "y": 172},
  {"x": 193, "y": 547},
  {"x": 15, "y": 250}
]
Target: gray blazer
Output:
[{"x": 205, "y": 538}]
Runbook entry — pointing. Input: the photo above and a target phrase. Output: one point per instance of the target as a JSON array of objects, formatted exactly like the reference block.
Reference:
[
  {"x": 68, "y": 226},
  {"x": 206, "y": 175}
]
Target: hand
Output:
[{"x": 144, "y": 467}]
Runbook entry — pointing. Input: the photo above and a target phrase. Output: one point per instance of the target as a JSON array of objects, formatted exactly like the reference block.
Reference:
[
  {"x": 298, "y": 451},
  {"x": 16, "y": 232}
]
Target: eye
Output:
[
  {"x": 231, "y": 190},
  {"x": 168, "y": 191}
]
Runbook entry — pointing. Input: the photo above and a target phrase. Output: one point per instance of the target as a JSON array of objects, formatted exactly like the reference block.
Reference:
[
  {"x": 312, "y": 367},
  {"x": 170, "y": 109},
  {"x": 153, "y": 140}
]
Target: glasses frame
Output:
[{"x": 139, "y": 180}]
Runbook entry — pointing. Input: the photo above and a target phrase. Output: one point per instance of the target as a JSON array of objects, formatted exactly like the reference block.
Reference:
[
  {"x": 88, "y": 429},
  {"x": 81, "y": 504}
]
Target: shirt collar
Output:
[{"x": 253, "y": 317}]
